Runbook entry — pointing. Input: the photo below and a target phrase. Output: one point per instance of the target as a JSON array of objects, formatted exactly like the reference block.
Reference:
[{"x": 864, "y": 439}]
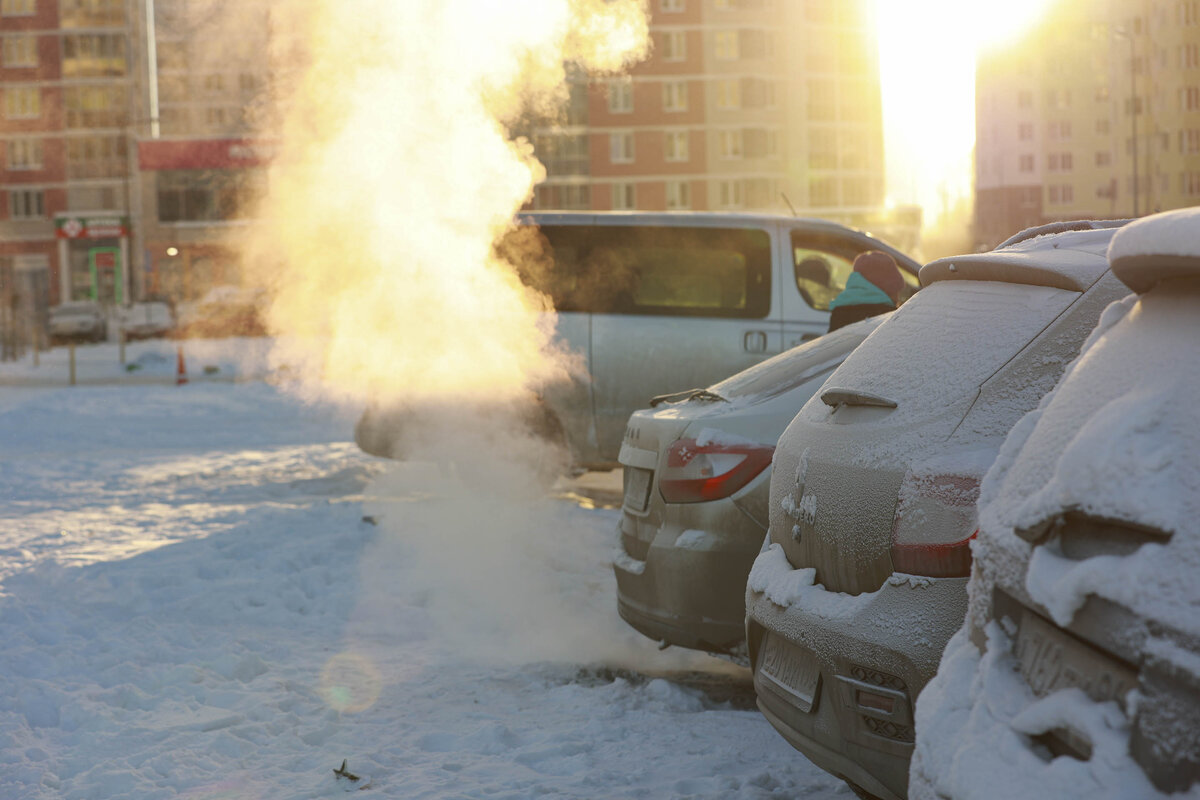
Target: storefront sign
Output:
[
  {"x": 164, "y": 154},
  {"x": 70, "y": 227}
]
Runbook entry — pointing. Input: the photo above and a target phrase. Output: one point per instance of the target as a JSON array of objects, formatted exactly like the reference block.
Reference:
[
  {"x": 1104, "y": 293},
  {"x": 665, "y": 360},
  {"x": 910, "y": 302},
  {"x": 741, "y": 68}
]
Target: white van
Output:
[{"x": 661, "y": 302}]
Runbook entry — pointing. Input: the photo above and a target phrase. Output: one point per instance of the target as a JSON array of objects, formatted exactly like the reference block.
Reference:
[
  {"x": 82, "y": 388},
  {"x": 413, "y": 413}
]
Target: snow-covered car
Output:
[
  {"x": 659, "y": 302},
  {"x": 79, "y": 319},
  {"x": 147, "y": 319},
  {"x": 1077, "y": 672},
  {"x": 696, "y": 477},
  {"x": 872, "y": 501}
]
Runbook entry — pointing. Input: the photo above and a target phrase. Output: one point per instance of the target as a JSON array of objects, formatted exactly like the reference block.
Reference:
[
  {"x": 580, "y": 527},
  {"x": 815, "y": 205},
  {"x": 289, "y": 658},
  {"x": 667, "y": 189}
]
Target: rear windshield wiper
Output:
[
  {"x": 850, "y": 397},
  {"x": 688, "y": 394}
]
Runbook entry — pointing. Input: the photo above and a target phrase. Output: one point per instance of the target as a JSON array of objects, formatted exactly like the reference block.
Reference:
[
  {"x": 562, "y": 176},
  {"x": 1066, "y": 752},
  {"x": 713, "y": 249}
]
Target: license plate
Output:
[
  {"x": 637, "y": 488},
  {"x": 791, "y": 671},
  {"x": 1053, "y": 659}
]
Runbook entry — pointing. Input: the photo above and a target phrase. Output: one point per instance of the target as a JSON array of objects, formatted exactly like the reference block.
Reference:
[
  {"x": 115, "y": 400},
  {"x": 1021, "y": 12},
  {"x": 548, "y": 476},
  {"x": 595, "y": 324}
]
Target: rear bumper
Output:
[
  {"x": 874, "y": 653},
  {"x": 689, "y": 587}
]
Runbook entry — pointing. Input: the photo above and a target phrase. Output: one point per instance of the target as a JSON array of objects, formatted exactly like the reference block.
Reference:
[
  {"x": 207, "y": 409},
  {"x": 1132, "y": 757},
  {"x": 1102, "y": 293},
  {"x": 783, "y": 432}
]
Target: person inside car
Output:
[{"x": 873, "y": 288}]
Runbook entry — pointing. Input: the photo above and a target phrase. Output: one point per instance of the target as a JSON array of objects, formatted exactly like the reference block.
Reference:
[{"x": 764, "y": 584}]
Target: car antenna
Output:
[{"x": 789, "y": 204}]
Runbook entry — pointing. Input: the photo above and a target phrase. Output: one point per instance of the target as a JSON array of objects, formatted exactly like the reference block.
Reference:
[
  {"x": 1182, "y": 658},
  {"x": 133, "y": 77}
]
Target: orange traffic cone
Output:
[{"x": 180, "y": 369}]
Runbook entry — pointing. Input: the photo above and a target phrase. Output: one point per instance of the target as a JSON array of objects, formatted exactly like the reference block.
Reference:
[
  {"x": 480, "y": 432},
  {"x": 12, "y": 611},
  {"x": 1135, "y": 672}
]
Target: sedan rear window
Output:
[{"x": 658, "y": 270}]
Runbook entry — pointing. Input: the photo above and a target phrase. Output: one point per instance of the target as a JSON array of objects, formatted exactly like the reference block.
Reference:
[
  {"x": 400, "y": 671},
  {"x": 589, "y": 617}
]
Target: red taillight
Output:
[
  {"x": 934, "y": 525},
  {"x": 696, "y": 473}
]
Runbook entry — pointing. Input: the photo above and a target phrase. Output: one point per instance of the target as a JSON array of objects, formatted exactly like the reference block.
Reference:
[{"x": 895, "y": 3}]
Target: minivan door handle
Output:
[{"x": 755, "y": 342}]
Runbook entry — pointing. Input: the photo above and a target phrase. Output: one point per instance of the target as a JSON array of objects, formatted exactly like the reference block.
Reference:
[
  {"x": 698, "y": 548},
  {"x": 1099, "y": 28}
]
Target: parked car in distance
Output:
[
  {"x": 146, "y": 320},
  {"x": 1077, "y": 672},
  {"x": 873, "y": 490},
  {"x": 658, "y": 302},
  {"x": 224, "y": 311},
  {"x": 696, "y": 477},
  {"x": 77, "y": 320}
]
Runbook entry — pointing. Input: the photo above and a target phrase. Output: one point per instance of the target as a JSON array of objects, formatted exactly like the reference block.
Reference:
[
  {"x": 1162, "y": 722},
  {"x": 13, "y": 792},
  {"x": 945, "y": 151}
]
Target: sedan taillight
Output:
[
  {"x": 696, "y": 473},
  {"x": 934, "y": 525}
]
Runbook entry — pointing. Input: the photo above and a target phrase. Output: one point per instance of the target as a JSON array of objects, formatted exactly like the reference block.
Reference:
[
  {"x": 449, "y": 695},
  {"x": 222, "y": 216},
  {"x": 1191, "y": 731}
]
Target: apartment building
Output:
[
  {"x": 66, "y": 79},
  {"x": 1095, "y": 113},
  {"x": 742, "y": 105},
  {"x": 126, "y": 147}
]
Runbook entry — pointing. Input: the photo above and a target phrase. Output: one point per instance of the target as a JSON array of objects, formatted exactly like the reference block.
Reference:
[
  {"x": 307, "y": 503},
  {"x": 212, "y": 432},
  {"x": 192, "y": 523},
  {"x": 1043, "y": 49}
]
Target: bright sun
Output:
[{"x": 927, "y": 52}]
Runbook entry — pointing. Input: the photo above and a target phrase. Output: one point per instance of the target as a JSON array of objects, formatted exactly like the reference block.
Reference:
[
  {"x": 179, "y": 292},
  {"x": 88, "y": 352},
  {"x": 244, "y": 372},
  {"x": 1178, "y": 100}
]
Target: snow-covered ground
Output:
[{"x": 208, "y": 591}]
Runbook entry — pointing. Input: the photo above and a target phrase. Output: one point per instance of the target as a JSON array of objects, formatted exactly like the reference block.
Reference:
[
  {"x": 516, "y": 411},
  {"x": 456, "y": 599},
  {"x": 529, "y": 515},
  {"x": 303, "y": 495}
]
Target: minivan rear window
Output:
[{"x": 643, "y": 269}]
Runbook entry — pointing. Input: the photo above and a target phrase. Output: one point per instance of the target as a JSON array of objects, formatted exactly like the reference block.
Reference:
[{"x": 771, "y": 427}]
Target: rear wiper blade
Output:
[
  {"x": 851, "y": 397},
  {"x": 688, "y": 394}
]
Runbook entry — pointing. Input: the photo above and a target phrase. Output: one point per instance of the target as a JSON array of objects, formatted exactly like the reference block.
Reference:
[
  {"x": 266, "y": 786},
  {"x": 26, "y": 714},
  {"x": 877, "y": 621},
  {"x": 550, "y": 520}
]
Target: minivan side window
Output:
[
  {"x": 822, "y": 265},
  {"x": 650, "y": 270}
]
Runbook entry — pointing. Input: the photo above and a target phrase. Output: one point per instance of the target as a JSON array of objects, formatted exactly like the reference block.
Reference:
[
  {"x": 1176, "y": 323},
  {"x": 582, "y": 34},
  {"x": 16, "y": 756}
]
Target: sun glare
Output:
[{"x": 927, "y": 52}]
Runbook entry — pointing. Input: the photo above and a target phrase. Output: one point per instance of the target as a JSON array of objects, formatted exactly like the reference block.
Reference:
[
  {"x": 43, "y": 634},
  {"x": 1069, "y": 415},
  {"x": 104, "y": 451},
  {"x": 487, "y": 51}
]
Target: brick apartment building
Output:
[
  {"x": 1094, "y": 114},
  {"x": 742, "y": 105},
  {"x": 123, "y": 150}
]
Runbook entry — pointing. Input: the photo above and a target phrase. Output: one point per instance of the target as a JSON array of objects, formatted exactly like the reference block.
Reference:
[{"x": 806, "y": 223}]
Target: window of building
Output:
[
  {"x": 1189, "y": 141},
  {"x": 1102, "y": 127},
  {"x": 675, "y": 96},
  {"x": 624, "y": 196},
  {"x": 726, "y": 45},
  {"x": 214, "y": 82},
  {"x": 729, "y": 93},
  {"x": 1059, "y": 130},
  {"x": 216, "y": 116},
  {"x": 1025, "y": 163},
  {"x": 1189, "y": 56},
  {"x": 822, "y": 148},
  {"x": 26, "y": 204},
  {"x": 92, "y": 13},
  {"x": 1189, "y": 98},
  {"x": 97, "y": 157},
  {"x": 1103, "y": 158},
  {"x": 679, "y": 195},
  {"x": 674, "y": 46},
  {"x": 20, "y": 51},
  {"x": 22, "y": 102},
  {"x": 93, "y": 55},
  {"x": 1024, "y": 99},
  {"x": 1188, "y": 12},
  {"x": 822, "y": 100},
  {"x": 620, "y": 147},
  {"x": 729, "y": 144},
  {"x": 563, "y": 154},
  {"x": 620, "y": 95},
  {"x": 1189, "y": 184},
  {"x": 24, "y": 154},
  {"x": 568, "y": 197},
  {"x": 675, "y": 145},
  {"x": 18, "y": 8},
  {"x": 247, "y": 81},
  {"x": 207, "y": 195},
  {"x": 672, "y": 6},
  {"x": 822, "y": 192},
  {"x": 729, "y": 194}
]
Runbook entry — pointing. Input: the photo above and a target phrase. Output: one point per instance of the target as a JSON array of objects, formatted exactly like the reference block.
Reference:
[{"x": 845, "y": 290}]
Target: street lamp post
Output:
[{"x": 1133, "y": 109}]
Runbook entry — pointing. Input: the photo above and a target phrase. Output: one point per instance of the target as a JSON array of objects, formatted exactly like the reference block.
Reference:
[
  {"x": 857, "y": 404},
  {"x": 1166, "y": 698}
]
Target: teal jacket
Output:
[{"x": 860, "y": 292}]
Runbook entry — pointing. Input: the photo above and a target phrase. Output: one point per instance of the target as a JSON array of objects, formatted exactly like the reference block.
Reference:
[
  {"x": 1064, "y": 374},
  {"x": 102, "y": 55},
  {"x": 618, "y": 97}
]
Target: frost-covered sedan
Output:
[
  {"x": 872, "y": 500},
  {"x": 697, "y": 474},
  {"x": 1077, "y": 673}
]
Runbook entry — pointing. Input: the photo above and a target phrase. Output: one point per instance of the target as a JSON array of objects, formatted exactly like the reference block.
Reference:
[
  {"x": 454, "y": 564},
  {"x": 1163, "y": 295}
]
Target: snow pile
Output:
[
  {"x": 192, "y": 605},
  {"x": 1117, "y": 439}
]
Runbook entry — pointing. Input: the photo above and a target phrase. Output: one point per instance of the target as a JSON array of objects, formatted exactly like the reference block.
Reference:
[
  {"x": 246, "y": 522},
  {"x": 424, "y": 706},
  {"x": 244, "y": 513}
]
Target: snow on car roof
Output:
[
  {"x": 1156, "y": 248},
  {"x": 1071, "y": 260}
]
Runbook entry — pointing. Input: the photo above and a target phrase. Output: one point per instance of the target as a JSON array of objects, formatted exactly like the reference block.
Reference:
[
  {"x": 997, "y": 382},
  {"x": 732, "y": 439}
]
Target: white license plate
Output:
[
  {"x": 792, "y": 671},
  {"x": 1053, "y": 659},
  {"x": 637, "y": 488}
]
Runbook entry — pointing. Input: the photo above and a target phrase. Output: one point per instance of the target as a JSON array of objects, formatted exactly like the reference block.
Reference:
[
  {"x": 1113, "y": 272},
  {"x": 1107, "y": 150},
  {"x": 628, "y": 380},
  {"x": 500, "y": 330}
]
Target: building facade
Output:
[
  {"x": 124, "y": 148},
  {"x": 761, "y": 105},
  {"x": 1095, "y": 113}
]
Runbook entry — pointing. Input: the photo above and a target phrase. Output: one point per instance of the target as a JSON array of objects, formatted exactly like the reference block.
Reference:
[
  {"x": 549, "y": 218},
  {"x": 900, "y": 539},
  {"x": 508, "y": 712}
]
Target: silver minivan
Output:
[{"x": 661, "y": 302}]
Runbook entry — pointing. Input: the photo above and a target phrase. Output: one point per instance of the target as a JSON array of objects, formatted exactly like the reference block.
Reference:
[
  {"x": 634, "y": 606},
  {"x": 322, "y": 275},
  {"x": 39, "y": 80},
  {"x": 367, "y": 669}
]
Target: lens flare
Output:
[{"x": 350, "y": 683}]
